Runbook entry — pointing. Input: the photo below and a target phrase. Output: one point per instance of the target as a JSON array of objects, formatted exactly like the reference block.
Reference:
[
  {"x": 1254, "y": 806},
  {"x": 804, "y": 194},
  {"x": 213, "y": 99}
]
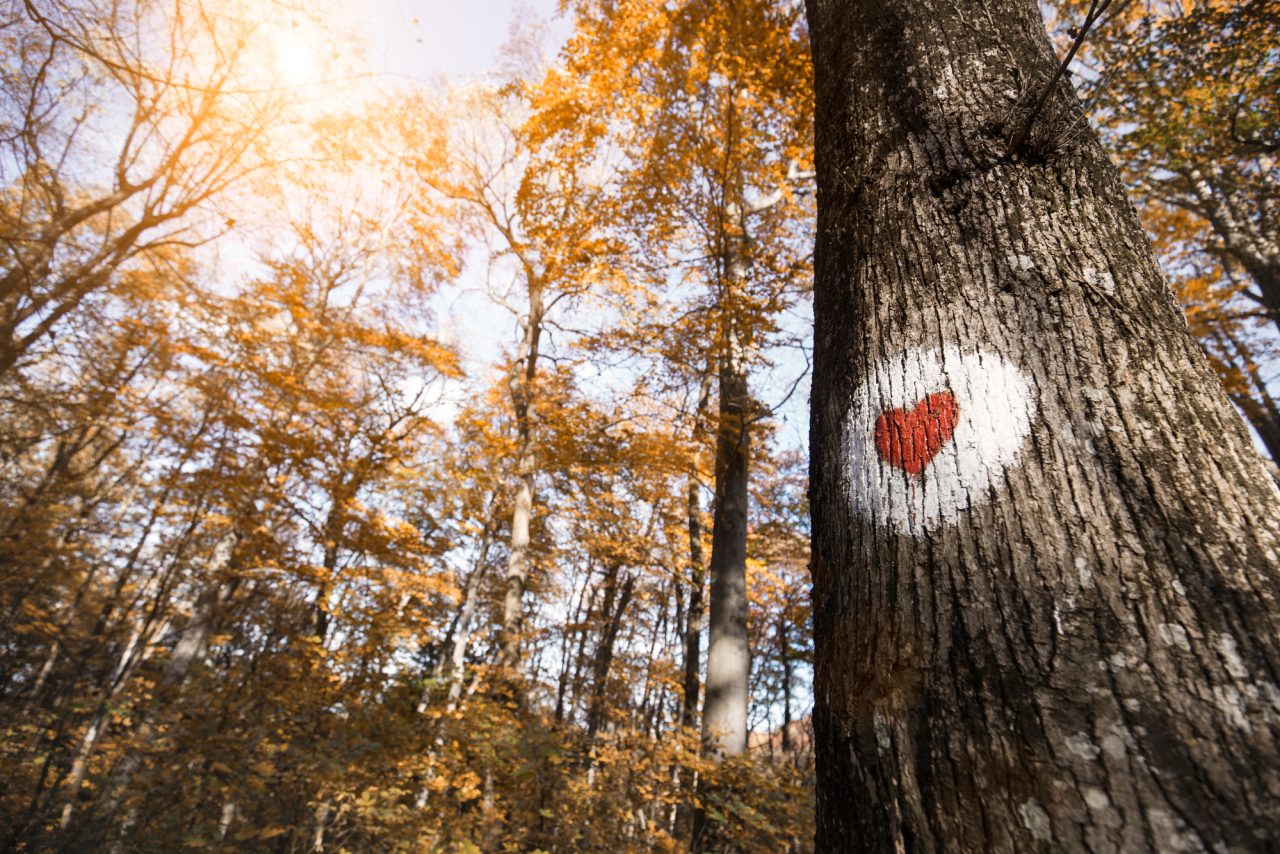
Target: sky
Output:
[{"x": 426, "y": 40}]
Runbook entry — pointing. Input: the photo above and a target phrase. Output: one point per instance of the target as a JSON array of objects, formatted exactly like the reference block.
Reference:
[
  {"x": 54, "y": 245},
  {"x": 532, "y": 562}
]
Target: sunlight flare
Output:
[{"x": 295, "y": 58}]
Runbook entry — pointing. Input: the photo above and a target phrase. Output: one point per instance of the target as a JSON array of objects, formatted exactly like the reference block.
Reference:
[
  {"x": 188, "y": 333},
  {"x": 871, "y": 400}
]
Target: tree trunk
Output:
[
  {"x": 693, "y": 623},
  {"x": 586, "y": 600},
  {"x": 724, "y": 713},
  {"x": 1045, "y": 551},
  {"x": 520, "y": 385},
  {"x": 687, "y": 818},
  {"x": 132, "y": 655},
  {"x": 784, "y": 653},
  {"x": 694, "y": 620},
  {"x": 462, "y": 636},
  {"x": 191, "y": 647},
  {"x": 611, "y": 611}
]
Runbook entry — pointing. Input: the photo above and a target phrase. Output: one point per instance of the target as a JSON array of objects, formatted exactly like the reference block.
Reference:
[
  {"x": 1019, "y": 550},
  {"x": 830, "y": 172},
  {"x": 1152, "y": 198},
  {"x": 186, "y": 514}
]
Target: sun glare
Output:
[{"x": 295, "y": 59}]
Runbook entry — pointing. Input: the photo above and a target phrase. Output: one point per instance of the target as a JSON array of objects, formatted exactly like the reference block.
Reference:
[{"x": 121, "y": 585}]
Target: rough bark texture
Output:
[{"x": 1073, "y": 647}]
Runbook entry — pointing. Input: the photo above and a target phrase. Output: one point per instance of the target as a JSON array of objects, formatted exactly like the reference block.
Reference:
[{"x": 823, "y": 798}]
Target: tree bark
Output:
[
  {"x": 1045, "y": 551},
  {"x": 462, "y": 636},
  {"x": 616, "y": 600},
  {"x": 784, "y": 654},
  {"x": 694, "y": 619},
  {"x": 521, "y": 387},
  {"x": 687, "y": 818},
  {"x": 724, "y": 712}
]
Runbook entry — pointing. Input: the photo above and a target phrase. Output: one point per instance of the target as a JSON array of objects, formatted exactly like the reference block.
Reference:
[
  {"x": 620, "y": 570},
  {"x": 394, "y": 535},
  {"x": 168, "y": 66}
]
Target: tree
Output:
[
  {"x": 538, "y": 213},
  {"x": 1045, "y": 550},
  {"x": 1188, "y": 97},
  {"x": 1235, "y": 336},
  {"x": 117, "y": 130},
  {"x": 1185, "y": 99},
  {"x": 714, "y": 128}
]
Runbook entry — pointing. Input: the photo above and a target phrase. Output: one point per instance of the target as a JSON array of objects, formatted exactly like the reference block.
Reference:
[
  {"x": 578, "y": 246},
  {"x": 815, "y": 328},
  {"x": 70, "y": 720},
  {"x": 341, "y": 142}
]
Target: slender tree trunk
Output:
[
  {"x": 784, "y": 654},
  {"x": 688, "y": 820},
  {"x": 724, "y": 713},
  {"x": 321, "y": 820},
  {"x": 572, "y": 627},
  {"x": 694, "y": 620},
  {"x": 319, "y": 628},
  {"x": 130, "y": 657},
  {"x": 345, "y": 486},
  {"x": 695, "y": 616},
  {"x": 226, "y": 818},
  {"x": 580, "y": 657},
  {"x": 462, "y": 634},
  {"x": 193, "y": 642},
  {"x": 192, "y": 645},
  {"x": 724, "y": 708},
  {"x": 521, "y": 387},
  {"x": 615, "y": 605},
  {"x": 1045, "y": 551},
  {"x": 651, "y": 718}
]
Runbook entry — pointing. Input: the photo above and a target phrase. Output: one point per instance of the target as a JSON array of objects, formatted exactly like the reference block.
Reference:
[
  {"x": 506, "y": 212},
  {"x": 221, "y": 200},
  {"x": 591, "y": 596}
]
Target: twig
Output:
[{"x": 1096, "y": 8}]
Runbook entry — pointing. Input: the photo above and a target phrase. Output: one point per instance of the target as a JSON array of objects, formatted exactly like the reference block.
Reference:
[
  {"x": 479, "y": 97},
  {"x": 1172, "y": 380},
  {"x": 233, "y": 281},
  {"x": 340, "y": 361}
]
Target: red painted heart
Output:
[{"x": 911, "y": 438}]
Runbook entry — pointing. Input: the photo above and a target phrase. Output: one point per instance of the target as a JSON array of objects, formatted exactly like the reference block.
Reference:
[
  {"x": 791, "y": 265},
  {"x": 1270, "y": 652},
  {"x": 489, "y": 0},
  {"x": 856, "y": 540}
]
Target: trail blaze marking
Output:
[
  {"x": 910, "y": 439},
  {"x": 931, "y": 434}
]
